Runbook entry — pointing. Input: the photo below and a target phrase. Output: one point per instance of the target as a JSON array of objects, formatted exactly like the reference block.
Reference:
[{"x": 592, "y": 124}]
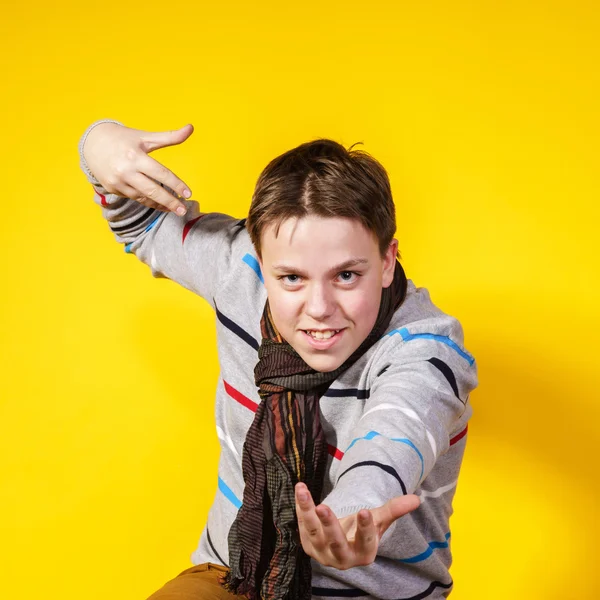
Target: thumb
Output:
[
  {"x": 394, "y": 509},
  {"x": 153, "y": 140}
]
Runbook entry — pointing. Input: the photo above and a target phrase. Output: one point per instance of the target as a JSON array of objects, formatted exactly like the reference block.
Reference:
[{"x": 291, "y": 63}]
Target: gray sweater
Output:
[{"x": 395, "y": 421}]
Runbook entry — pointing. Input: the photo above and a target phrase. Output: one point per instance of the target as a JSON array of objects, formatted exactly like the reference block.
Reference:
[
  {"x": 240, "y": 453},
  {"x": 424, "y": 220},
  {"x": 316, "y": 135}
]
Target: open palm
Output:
[{"x": 350, "y": 541}]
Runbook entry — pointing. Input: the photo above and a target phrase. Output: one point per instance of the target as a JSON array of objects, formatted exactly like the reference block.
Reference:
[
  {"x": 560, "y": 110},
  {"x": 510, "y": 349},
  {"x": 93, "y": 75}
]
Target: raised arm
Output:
[{"x": 142, "y": 200}]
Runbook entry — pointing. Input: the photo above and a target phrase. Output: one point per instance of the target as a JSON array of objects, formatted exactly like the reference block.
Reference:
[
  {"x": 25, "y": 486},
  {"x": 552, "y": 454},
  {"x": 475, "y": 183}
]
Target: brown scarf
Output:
[{"x": 284, "y": 445}]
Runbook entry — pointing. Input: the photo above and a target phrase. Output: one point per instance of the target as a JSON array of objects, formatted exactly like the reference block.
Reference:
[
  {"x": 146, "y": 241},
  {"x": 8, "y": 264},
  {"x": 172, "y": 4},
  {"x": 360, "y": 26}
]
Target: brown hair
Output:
[{"x": 323, "y": 178}]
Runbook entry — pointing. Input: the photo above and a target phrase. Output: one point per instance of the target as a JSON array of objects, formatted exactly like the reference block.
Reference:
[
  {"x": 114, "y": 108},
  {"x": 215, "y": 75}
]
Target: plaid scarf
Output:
[{"x": 284, "y": 445}]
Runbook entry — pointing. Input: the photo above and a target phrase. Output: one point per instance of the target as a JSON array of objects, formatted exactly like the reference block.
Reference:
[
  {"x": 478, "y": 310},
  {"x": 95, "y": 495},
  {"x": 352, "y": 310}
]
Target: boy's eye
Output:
[
  {"x": 291, "y": 278},
  {"x": 348, "y": 276}
]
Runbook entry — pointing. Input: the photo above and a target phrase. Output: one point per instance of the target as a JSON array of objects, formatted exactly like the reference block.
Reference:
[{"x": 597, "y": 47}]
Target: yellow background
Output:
[{"x": 486, "y": 117}]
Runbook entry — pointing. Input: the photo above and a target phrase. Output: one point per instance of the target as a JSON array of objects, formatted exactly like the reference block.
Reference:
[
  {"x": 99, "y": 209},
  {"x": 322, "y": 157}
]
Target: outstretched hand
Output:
[{"x": 350, "y": 541}]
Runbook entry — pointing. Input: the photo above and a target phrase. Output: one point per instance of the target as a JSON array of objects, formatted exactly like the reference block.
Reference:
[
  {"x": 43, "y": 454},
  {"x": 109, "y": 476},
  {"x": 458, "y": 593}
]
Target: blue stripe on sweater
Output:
[
  {"x": 226, "y": 491},
  {"x": 374, "y": 434},
  {"x": 153, "y": 223},
  {"x": 253, "y": 264},
  {"x": 424, "y": 555},
  {"x": 406, "y": 336}
]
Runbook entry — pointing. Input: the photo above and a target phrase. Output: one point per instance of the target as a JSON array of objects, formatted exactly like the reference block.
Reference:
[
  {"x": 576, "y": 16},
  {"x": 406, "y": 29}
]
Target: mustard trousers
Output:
[{"x": 197, "y": 583}]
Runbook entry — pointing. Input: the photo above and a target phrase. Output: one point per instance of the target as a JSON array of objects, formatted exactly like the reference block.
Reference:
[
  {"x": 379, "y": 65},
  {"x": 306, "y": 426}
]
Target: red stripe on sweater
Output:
[
  {"x": 245, "y": 401},
  {"x": 188, "y": 227},
  {"x": 102, "y": 197},
  {"x": 239, "y": 397},
  {"x": 335, "y": 452},
  {"x": 459, "y": 436}
]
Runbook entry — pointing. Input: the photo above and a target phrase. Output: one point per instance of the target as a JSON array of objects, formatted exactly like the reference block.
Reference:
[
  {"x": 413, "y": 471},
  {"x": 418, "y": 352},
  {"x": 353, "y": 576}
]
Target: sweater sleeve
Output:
[
  {"x": 416, "y": 404},
  {"x": 194, "y": 251}
]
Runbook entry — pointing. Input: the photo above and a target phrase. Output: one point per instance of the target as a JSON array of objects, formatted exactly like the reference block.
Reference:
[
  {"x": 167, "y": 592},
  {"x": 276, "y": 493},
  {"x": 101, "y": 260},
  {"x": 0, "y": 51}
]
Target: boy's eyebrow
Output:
[{"x": 353, "y": 262}]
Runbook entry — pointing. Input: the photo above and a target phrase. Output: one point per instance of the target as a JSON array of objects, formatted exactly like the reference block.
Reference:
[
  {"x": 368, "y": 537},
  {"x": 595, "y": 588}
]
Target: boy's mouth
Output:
[
  {"x": 323, "y": 334},
  {"x": 322, "y": 339}
]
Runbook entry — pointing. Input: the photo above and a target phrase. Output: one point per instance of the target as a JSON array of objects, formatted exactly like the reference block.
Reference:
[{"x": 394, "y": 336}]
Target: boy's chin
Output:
[{"x": 323, "y": 363}]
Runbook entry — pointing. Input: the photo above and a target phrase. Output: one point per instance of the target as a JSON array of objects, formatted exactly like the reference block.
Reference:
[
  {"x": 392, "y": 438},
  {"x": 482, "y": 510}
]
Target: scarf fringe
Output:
[{"x": 239, "y": 586}]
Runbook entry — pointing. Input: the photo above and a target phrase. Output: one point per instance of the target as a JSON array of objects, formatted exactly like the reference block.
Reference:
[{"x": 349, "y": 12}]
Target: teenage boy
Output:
[{"x": 336, "y": 477}]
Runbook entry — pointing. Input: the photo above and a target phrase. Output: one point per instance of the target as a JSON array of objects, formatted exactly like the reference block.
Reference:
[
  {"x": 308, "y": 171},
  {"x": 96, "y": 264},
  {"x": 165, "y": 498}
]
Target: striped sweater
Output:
[{"x": 395, "y": 421}]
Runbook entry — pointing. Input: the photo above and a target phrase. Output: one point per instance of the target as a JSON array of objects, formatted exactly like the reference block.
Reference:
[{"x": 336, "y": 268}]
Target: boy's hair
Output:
[{"x": 323, "y": 178}]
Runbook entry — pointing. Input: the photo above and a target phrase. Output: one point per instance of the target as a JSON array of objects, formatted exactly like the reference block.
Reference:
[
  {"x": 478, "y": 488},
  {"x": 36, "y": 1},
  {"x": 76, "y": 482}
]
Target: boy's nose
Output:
[{"x": 319, "y": 303}]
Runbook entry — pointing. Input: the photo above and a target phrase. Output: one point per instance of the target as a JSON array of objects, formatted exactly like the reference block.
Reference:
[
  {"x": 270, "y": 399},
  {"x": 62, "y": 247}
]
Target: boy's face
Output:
[{"x": 324, "y": 278}]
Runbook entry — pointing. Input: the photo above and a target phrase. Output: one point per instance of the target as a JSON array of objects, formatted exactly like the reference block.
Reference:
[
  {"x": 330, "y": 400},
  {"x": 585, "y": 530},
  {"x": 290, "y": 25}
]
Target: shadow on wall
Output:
[{"x": 526, "y": 509}]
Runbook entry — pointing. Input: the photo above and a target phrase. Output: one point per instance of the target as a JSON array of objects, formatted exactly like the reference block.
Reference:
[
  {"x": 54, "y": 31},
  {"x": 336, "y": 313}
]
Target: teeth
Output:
[{"x": 323, "y": 335}]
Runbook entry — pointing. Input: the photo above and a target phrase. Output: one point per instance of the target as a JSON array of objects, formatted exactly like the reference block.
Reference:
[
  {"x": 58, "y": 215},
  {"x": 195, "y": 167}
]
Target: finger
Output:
[
  {"x": 126, "y": 191},
  {"x": 366, "y": 541},
  {"x": 334, "y": 540},
  {"x": 152, "y": 191},
  {"x": 155, "y": 170},
  {"x": 392, "y": 510},
  {"x": 309, "y": 524},
  {"x": 152, "y": 204},
  {"x": 153, "y": 140}
]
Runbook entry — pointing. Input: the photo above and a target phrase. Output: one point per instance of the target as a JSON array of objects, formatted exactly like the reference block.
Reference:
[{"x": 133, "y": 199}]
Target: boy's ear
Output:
[{"x": 389, "y": 263}]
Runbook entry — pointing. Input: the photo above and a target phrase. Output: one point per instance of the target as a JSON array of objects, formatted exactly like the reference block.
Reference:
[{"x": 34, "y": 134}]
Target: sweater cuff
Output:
[{"x": 82, "y": 162}]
